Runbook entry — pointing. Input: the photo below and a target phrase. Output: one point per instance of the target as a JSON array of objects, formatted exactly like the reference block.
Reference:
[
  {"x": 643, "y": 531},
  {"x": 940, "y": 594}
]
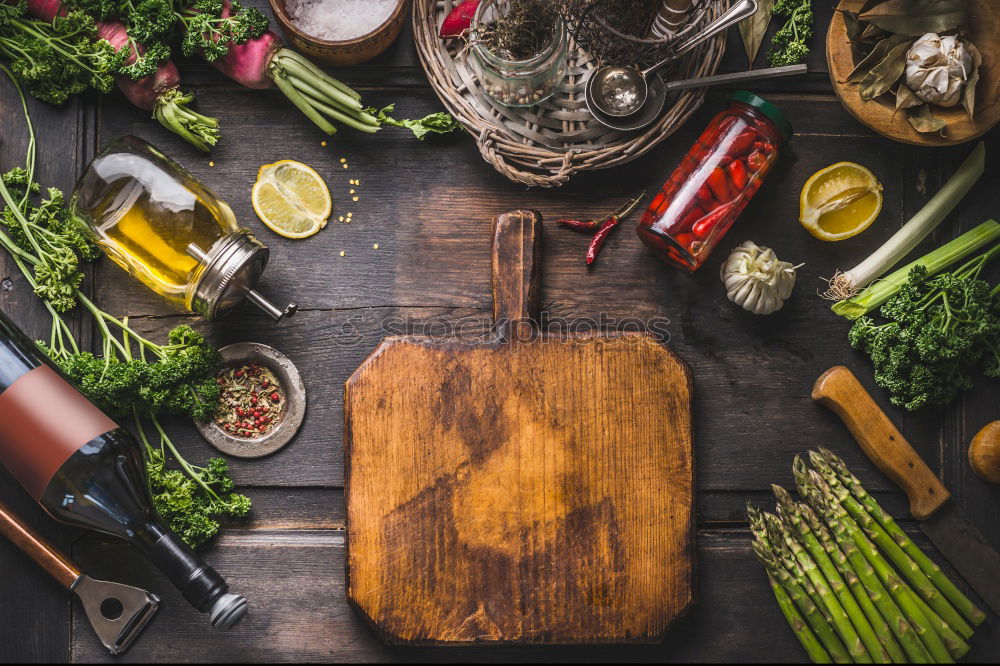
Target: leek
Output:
[
  {"x": 882, "y": 290},
  {"x": 847, "y": 284}
]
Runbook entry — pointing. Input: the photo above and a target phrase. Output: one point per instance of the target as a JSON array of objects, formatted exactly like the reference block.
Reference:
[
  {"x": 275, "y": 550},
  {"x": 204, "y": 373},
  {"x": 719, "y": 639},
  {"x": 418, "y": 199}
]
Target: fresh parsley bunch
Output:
[
  {"x": 207, "y": 32},
  {"x": 937, "y": 331}
]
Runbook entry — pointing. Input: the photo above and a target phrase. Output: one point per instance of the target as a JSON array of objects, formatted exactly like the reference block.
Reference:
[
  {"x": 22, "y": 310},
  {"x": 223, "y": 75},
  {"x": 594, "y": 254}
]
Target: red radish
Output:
[
  {"x": 157, "y": 92},
  {"x": 459, "y": 19},
  {"x": 264, "y": 61}
]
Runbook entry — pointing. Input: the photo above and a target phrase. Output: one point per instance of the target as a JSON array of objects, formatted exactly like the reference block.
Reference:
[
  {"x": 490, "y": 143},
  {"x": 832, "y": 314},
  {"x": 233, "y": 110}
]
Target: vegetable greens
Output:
[
  {"x": 936, "y": 331},
  {"x": 132, "y": 376},
  {"x": 790, "y": 44},
  {"x": 435, "y": 123},
  {"x": 60, "y": 59}
]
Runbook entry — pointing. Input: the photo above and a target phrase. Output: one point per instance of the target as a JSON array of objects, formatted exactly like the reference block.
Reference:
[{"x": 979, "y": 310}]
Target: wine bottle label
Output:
[{"x": 43, "y": 421}]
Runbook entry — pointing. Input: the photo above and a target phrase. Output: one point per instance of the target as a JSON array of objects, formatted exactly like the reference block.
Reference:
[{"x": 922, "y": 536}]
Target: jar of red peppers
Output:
[{"x": 715, "y": 181}]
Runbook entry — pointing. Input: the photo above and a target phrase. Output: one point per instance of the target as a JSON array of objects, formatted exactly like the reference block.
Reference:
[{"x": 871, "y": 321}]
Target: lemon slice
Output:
[
  {"x": 291, "y": 199},
  {"x": 840, "y": 201}
]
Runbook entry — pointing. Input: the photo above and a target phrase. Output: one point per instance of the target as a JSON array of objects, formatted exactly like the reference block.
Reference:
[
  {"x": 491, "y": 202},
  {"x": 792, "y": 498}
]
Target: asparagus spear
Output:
[
  {"x": 908, "y": 638},
  {"x": 907, "y": 599},
  {"x": 832, "y": 645},
  {"x": 860, "y": 592},
  {"x": 806, "y": 637},
  {"x": 920, "y": 582},
  {"x": 930, "y": 569},
  {"x": 783, "y": 556},
  {"x": 798, "y": 526},
  {"x": 841, "y": 621}
]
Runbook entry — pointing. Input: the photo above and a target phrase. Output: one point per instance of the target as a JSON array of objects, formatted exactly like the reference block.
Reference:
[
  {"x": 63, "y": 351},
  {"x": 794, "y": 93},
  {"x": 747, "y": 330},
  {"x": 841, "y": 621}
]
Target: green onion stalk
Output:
[
  {"x": 844, "y": 285},
  {"x": 936, "y": 261}
]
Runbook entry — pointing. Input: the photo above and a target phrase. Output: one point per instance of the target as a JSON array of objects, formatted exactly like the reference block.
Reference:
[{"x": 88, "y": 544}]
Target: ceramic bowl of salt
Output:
[{"x": 341, "y": 32}]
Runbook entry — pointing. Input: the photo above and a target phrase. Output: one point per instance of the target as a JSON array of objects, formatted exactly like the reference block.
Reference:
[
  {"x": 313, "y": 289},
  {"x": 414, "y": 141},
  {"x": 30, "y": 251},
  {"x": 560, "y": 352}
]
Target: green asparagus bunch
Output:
[{"x": 851, "y": 583}]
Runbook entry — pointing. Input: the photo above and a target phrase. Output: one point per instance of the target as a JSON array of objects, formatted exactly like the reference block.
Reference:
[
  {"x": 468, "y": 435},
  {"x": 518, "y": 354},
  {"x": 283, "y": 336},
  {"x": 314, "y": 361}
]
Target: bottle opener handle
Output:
[
  {"x": 118, "y": 613},
  {"x": 47, "y": 557}
]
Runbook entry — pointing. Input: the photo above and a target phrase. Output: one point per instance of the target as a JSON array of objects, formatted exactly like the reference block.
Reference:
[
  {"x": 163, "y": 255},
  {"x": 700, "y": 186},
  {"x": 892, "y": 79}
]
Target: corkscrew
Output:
[{"x": 118, "y": 613}]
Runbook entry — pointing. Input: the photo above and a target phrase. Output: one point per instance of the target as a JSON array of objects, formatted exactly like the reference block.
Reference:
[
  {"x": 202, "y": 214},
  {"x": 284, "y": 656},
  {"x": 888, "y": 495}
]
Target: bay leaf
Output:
[
  {"x": 871, "y": 33},
  {"x": 906, "y": 98},
  {"x": 869, "y": 4},
  {"x": 916, "y": 17},
  {"x": 876, "y": 56},
  {"x": 969, "y": 94},
  {"x": 753, "y": 28},
  {"x": 852, "y": 24},
  {"x": 884, "y": 75},
  {"x": 924, "y": 120}
]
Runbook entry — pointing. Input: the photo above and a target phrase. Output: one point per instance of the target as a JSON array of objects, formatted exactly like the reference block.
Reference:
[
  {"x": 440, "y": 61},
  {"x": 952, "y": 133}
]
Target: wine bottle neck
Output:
[{"x": 200, "y": 584}]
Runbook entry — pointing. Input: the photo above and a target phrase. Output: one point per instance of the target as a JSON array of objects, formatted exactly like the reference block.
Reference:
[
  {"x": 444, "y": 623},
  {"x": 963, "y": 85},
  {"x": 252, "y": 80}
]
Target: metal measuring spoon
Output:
[
  {"x": 618, "y": 91},
  {"x": 660, "y": 91}
]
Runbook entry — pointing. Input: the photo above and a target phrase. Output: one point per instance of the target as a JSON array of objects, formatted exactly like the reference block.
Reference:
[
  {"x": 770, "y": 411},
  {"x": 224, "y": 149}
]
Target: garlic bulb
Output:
[
  {"x": 937, "y": 68},
  {"x": 756, "y": 280}
]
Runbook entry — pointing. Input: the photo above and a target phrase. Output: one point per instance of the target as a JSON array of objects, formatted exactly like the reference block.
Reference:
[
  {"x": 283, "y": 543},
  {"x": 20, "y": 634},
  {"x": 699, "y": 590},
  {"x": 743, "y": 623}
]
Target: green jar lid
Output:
[{"x": 765, "y": 107}]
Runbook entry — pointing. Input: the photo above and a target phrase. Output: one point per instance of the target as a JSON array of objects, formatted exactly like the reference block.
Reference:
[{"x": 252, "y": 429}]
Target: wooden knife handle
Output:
[
  {"x": 840, "y": 390},
  {"x": 517, "y": 237},
  {"x": 47, "y": 557}
]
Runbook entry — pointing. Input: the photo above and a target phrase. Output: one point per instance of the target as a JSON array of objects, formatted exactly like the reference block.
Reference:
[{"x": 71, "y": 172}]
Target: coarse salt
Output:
[{"x": 339, "y": 20}]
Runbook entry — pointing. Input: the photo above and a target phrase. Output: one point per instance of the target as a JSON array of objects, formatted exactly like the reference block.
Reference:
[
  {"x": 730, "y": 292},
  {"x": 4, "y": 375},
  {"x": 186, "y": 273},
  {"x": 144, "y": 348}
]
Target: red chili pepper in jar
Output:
[
  {"x": 756, "y": 160},
  {"x": 737, "y": 174},
  {"x": 718, "y": 184},
  {"x": 743, "y": 142},
  {"x": 703, "y": 227}
]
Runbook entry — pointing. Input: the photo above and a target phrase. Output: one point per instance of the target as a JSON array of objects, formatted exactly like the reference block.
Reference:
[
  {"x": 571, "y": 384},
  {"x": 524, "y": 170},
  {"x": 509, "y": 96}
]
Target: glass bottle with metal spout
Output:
[{"x": 170, "y": 232}]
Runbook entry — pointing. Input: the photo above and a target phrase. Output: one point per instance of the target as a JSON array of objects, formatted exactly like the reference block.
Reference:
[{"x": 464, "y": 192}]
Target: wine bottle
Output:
[{"x": 86, "y": 470}]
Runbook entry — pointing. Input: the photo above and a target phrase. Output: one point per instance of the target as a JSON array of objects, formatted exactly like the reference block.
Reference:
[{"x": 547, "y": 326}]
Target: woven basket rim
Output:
[{"x": 518, "y": 154}]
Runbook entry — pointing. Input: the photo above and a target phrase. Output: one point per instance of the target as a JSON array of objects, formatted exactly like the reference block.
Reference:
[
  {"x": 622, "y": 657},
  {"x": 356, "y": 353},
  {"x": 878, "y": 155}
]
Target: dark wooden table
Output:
[{"x": 428, "y": 207}]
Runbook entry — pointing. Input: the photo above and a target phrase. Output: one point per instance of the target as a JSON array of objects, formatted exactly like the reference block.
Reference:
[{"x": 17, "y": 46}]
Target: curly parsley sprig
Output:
[
  {"x": 790, "y": 44},
  {"x": 936, "y": 331},
  {"x": 60, "y": 59}
]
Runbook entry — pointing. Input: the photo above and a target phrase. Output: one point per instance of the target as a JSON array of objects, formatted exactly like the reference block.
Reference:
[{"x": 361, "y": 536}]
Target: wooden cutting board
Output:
[{"x": 525, "y": 489}]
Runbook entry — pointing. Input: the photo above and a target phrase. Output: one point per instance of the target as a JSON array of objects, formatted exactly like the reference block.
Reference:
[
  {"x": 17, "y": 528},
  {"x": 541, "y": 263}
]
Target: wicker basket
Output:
[{"x": 545, "y": 145}]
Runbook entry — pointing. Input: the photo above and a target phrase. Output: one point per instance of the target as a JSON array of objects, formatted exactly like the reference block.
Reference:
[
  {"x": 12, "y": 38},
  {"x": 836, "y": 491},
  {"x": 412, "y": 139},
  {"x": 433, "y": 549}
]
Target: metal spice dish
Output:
[{"x": 285, "y": 413}]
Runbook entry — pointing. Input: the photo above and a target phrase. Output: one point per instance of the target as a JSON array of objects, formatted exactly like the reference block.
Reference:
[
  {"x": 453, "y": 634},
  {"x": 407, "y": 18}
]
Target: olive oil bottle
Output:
[{"x": 156, "y": 221}]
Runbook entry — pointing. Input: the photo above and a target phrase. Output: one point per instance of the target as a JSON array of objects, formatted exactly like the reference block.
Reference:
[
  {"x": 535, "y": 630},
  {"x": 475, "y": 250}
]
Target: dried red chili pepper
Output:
[
  {"x": 719, "y": 185},
  {"x": 738, "y": 175},
  {"x": 598, "y": 241},
  {"x": 580, "y": 225}
]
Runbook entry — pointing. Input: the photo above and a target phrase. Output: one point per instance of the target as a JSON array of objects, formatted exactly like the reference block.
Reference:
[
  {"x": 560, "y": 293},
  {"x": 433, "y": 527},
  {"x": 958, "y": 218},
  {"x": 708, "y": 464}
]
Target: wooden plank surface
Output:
[{"x": 428, "y": 206}]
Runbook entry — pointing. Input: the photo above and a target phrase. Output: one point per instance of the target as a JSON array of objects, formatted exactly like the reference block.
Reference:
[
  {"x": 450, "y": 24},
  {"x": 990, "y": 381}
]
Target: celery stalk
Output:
[{"x": 882, "y": 290}]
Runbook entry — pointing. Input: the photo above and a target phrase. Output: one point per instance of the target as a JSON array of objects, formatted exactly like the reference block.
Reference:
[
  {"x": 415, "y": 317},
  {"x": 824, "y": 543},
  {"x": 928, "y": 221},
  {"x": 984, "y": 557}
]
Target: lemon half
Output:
[
  {"x": 840, "y": 201},
  {"x": 291, "y": 199}
]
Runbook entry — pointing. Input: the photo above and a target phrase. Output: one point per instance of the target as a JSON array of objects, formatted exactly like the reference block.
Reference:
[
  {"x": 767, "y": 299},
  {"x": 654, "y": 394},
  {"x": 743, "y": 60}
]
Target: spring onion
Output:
[
  {"x": 882, "y": 290},
  {"x": 847, "y": 284}
]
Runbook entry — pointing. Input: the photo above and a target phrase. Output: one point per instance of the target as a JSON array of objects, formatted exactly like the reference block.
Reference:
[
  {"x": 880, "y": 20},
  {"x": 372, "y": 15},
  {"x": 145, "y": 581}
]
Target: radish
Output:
[
  {"x": 263, "y": 61},
  {"x": 459, "y": 19},
  {"x": 158, "y": 92}
]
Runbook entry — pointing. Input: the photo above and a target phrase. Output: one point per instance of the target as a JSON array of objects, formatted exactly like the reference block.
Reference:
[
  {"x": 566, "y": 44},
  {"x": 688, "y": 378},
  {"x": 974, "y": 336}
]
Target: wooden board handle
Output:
[
  {"x": 37, "y": 548},
  {"x": 840, "y": 390},
  {"x": 517, "y": 237}
]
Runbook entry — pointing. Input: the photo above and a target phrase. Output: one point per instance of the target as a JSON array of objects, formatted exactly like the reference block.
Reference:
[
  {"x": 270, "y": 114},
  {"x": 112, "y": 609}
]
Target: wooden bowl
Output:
[
  {"x": 880, "y": 114},
  {"x": 347, "y": 52}
]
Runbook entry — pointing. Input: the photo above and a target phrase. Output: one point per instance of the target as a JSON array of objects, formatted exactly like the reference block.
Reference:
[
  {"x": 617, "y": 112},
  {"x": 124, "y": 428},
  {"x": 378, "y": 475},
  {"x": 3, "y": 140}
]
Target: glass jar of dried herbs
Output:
[{"x": 519, "y": 50}]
